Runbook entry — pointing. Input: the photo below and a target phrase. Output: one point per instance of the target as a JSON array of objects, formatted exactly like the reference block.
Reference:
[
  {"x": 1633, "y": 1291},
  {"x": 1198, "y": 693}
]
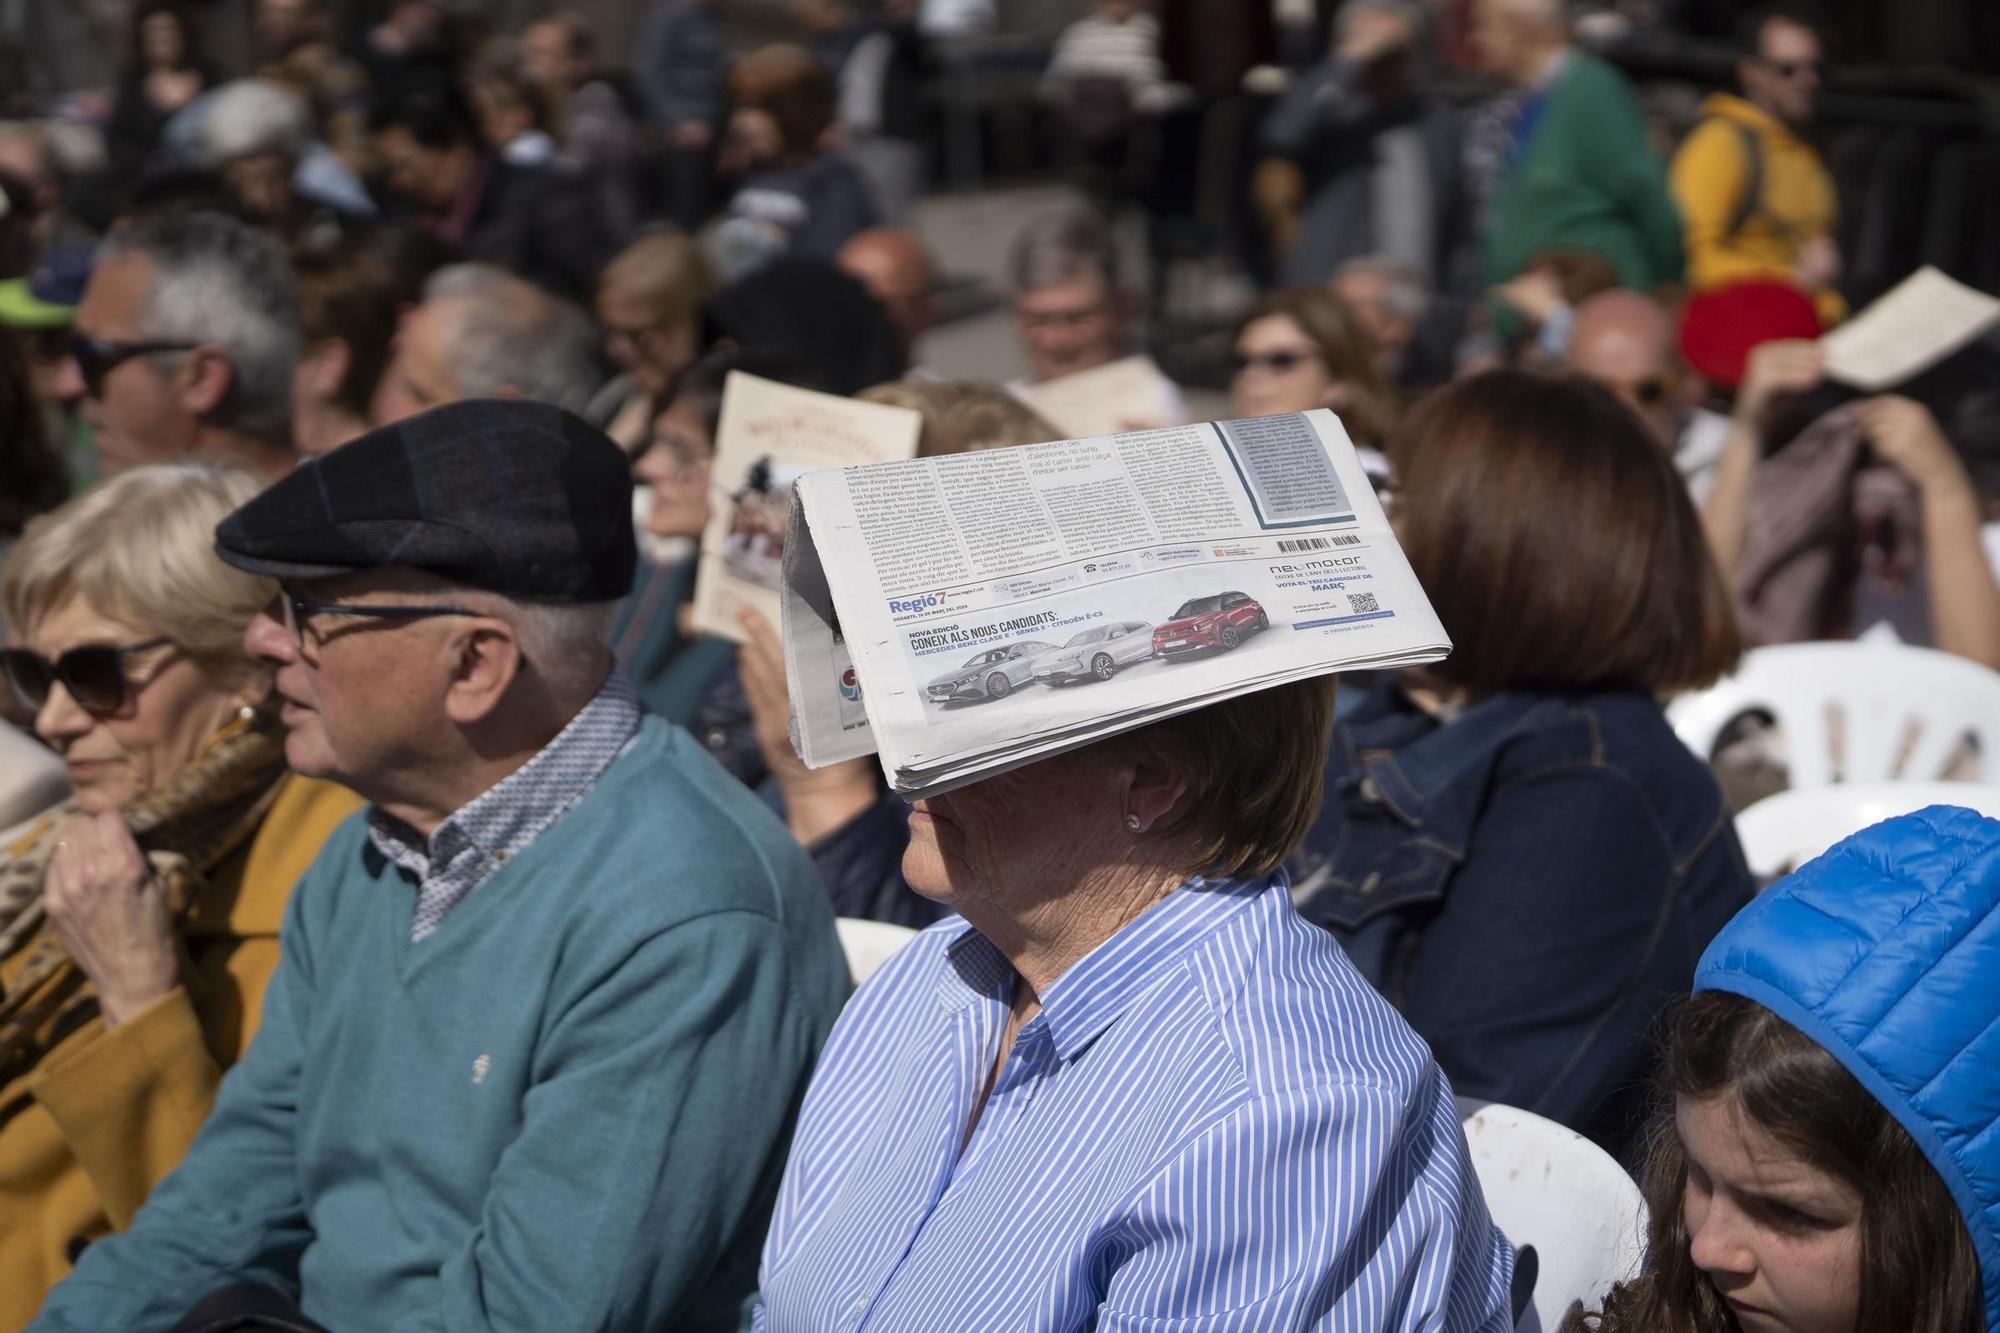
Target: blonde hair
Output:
[
  {"x": 961, "y": 416},
  {"x": 141, "y": 548},
  {"x": 664, "y": 270}
]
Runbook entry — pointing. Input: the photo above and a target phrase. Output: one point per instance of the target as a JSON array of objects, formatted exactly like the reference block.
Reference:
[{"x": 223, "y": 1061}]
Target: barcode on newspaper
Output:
[
  {"x": 1317, "y": 543},
  {"x": 1362, "y": 602}
]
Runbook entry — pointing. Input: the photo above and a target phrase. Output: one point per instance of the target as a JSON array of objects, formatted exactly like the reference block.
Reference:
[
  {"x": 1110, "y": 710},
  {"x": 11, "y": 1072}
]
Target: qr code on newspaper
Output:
[{"x": 1362, "y": 602}]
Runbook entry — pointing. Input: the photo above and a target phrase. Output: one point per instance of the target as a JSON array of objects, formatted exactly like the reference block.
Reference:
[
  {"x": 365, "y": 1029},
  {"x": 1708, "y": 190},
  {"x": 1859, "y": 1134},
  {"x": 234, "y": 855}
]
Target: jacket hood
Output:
[{"x": 1886, "y": 951}]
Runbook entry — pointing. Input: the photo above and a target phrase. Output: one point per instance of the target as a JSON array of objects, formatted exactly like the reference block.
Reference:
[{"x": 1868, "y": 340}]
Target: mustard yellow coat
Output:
[{"x": 105, "y": 1116}]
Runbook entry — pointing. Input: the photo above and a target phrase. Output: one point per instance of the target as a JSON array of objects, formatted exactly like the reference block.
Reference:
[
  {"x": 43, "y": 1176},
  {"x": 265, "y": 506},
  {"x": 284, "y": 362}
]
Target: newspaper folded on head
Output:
[
  {"x": 965, "y": 615},
  {"x": 1919, "y": 322},
  {"x": 770, "y": 434}
]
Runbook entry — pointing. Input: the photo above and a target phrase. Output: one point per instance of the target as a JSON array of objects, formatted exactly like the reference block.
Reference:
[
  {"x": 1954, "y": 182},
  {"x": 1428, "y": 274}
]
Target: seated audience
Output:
[
  {"x": 882, "y": 72},
  {"x": 1757, "y": 199},
  {"x": 1070, "y": 309},
  {"x": 1300, "y": 348},
  {"x": 1823, "y": 1156},
  {"x": 539, "y": 223},
  {"x": 545, "y": 1013},
  {"x": 597, "y": 118},
  {"x": 1515, "y": 848},
  {"x": 1106, "y": 86},
  {"x": 164, "y": 74},
  {"x": 897, "y": 270},
  {"x": 1625, "y": 341},
  {"x": 33, "y": 476},
  {"x": 260, "y": 136},
  {"x": 1360, "y": 163},
  {"x": 349, "y": 304},
  {"x": 795, "y": 196},
  {"x": 483, "y": 333},
  {"x": 649, "y": 305},
  {"x": 186, "y": 341},
  {"x": 510, "y": 114},
  {"x": 138, "y": 918},
  {"x": 1127, "y": 1086},
  {"x": 681, "y": 63}
]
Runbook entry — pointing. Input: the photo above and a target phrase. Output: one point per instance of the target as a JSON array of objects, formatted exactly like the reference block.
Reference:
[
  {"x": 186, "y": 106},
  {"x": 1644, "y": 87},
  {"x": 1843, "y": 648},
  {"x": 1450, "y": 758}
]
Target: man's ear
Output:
[
  {"x": 508, "y": 391},
  {"x": 1156, "y": 788},
  {"x": 203, "y": 380},
  {"x": 326, "y": 364},
  {"x": 488, "y": 660}
]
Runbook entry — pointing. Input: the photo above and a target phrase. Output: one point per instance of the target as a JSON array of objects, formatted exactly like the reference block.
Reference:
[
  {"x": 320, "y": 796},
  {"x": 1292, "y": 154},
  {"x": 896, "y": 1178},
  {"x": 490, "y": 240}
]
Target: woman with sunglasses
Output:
[
  {"x": 1300, "y": 348},
  {"x": 139, "y": 917}
]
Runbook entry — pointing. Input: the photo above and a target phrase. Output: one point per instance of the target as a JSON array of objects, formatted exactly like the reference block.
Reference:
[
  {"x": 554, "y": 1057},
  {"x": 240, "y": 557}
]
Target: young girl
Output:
[{"x": 1830, "y": 1158}]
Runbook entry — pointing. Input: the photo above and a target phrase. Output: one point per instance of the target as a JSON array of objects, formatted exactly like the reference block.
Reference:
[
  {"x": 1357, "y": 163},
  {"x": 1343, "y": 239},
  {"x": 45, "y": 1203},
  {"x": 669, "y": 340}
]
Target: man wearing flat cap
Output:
[{"x": 546, "y": 1008}]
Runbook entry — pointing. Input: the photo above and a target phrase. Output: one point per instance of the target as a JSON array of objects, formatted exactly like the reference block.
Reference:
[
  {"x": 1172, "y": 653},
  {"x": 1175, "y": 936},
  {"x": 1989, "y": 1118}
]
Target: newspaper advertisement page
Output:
[
  {"x": 1003, "y": 604},
  {"x": 829, "y": 720},
  {"x": 770, "y": 434},
  {"x": 1916, "y": 324}
]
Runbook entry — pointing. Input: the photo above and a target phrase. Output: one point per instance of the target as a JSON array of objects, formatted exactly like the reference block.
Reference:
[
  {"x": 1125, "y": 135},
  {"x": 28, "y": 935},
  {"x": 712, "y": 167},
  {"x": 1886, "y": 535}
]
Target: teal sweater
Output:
[
  {"x": 1588, "y": 179},
  {"x": 567, "y": 1108}
]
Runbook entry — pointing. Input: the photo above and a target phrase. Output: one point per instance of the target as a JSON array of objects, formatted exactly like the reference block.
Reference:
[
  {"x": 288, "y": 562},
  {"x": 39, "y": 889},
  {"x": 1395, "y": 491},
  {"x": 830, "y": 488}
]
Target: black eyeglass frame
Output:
[
  {"x": 57, "y": 673},
  {"x": 96, "y": 358},
  {"x": 297, "y": 609}
]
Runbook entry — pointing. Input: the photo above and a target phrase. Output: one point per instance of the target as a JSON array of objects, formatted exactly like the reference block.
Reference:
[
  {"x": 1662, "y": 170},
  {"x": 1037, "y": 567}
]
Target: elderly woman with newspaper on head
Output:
[{"x": 1126, "y": 1086}]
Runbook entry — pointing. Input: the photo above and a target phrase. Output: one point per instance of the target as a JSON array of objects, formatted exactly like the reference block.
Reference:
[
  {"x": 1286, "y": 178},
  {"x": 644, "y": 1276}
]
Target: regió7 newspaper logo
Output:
[{"x": 928, "y": 601}]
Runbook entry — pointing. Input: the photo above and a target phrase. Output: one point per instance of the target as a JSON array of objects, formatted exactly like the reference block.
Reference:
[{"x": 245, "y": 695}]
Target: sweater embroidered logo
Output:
[{"x": 479, "y": 1068}]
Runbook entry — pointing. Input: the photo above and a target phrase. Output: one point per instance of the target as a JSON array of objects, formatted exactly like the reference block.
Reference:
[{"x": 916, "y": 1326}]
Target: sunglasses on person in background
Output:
[
  {"x": 1272, "y": 363},
  {"x": 297, "y": 611},
  {"x": 1648, "y": 392},
  {"x": 92, "y": 673},
  {"x": 98, "y": 357},
  {"x": 1791, "y": 69}
]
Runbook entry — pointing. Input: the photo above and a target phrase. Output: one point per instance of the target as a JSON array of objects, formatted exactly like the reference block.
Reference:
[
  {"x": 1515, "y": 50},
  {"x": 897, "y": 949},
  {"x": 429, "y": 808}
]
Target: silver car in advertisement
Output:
[
  {"x": 1097, "y": 653},
  {"x": 991, "y": 674}
]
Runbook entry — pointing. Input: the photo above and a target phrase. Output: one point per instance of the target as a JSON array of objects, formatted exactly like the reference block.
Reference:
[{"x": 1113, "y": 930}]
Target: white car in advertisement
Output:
[
  {"x": 992, "y": 674},
  {"x": 1097, "y": 653}
]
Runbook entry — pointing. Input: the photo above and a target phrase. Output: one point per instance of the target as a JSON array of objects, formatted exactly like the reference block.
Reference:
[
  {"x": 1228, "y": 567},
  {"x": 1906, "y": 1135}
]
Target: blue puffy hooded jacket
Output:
[{"x": 1886, "y": 951}]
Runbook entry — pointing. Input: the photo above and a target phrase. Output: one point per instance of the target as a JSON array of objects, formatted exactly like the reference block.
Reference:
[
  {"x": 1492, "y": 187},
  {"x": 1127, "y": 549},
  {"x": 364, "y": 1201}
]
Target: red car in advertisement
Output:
[{"x": 1205, "y": 624}]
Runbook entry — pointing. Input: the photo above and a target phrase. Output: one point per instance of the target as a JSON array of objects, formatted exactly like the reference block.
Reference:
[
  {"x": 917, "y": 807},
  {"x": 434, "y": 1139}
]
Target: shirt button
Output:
[
  {"x": 717, "y": 738},
  {"x": 1371, "y": 790}
]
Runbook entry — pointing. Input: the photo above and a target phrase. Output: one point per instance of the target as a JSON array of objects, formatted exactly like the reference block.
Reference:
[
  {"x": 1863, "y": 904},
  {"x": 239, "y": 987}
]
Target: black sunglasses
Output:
[
  {"x": 1791, "y": 69},
  {"x": 1277, "y": 363},
  {"x": 98, "y": 357},
  {"x": 93, "y": 673},
  {"x": 297, "y": 610}
]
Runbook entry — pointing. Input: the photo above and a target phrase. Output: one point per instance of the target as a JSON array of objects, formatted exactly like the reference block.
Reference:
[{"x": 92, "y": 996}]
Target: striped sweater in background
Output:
[{"x": 1212, "y": 1123}]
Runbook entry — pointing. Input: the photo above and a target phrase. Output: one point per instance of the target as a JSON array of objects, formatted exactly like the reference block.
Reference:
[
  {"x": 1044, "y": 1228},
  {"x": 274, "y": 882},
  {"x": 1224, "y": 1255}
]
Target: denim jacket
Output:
[{"x": 1530, "y": 883}]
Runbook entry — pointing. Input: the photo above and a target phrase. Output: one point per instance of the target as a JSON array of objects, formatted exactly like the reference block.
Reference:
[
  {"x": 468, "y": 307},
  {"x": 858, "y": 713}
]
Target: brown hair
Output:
[
  {"x": 788, "y": 82},
  {"x": 1254, "y": 767},
  {"x": 1556, "y": 541},
  {"x": 961, "y": 416},
  {"x": 1919, "y": 1273},
  {"x": 351, "y": 293},
  {"x": 1346, "y": 348}
]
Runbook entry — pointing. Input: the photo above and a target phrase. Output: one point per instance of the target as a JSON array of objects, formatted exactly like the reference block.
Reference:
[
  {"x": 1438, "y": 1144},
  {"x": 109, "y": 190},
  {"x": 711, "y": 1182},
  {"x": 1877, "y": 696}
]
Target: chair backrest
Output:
[
  {"x": 1781, "y": 833},
  {"x": 1854, "y": 712},
  {"x": 869, "y": 944},
  {"x": 1550, "y": 1187}
]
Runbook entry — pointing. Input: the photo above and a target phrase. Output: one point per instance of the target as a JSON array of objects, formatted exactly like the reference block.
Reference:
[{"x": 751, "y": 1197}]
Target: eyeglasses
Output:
[
  {"x": 92, "y": 673},
  {"x": 1272, "y": 363},
  {"x": 1648, "y": 392},
  {"x": 98, "y": 357},
  {"x": 297, "y": 610},
  {"x": 1040, "y": 320}
]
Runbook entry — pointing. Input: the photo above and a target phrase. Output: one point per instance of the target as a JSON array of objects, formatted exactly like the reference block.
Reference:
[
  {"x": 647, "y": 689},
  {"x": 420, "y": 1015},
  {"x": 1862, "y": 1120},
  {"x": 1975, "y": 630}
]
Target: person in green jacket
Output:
[
  {"x": 546, "y": 1009},
  {"x": 1580, "y": 172}
]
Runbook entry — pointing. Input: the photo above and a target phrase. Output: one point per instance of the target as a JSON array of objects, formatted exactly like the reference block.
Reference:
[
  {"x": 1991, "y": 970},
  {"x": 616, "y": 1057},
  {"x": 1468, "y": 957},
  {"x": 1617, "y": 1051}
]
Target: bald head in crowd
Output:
[
  {"x": 896, "y": 269},
  {"x": 1625, "y": 341},
  {"x": 481, "y": 332}
]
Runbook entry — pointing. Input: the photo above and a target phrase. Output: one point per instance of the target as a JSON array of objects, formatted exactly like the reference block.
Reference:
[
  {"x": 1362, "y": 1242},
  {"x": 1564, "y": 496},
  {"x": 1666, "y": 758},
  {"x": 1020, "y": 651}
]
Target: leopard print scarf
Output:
[{"x": 186, "y": 828}]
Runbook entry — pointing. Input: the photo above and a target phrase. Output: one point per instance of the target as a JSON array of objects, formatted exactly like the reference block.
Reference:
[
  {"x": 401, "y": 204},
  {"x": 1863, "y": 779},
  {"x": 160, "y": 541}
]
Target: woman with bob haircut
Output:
[
  {"x": 1823, "y": 1157},
  {"x": 1126, "y": 1086},
  {"x": 139, "y": 917},
  {"x": 1514, "y": 847},
  {"x": 649, "y": 304},
  {"x": 1301, "y": 348}
]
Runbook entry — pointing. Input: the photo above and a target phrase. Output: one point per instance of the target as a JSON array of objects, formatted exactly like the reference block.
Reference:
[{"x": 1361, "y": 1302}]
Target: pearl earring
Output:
[
  {"x": 1133, "y": 822},
  {"x": 247, "y": 713}
]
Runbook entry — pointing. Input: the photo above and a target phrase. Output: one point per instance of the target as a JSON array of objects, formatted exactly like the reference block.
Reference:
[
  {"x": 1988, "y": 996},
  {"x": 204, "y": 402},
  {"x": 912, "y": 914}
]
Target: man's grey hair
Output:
[
  {"x": 1405, "y": 292},
  {"x": 251, "y": 116},
  {"x": 509, "y": 335},
  {"x": 221, "y": 283},
  {"x": 565, "y": 645},
  {"x": 1062, "y": 246}
]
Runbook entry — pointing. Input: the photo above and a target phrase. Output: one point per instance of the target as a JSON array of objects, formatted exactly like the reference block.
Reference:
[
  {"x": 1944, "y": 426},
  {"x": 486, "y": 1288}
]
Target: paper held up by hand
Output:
[
  {"x": 1124, "y": 395},
  {"x": 1916, "y": 324},
  {"x": 771, "y": 434},
  {"x": 964, "y": 615}
]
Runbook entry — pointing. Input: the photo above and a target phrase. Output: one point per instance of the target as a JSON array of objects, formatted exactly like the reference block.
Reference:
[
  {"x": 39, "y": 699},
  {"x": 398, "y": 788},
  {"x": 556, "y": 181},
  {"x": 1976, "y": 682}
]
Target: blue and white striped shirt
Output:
[{"x": 1213, "y": 1123}]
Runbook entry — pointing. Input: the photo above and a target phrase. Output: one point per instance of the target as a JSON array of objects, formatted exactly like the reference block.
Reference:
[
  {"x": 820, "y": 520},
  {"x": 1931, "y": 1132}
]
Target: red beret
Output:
[{"x": 1720, "y": 326}]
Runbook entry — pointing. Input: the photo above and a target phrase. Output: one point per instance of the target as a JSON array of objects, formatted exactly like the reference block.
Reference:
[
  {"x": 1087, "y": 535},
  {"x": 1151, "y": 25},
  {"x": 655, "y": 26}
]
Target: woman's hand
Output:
[
  {"x": 111, "y": 914},
  {"x": 817, "y": 800},
  {"x": 1786, "y": 365},
  {"x": 1906, "y": 436}
]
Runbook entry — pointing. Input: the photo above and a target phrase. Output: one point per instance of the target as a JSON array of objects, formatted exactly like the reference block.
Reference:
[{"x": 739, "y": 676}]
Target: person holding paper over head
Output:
[
  {"x": 1126, "y": 1086},
  {"x": 1515, "y": 848}
]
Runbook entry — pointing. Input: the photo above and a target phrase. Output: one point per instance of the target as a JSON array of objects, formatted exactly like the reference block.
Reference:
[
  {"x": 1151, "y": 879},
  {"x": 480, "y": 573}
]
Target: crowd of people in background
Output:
[{"x": 358, "y": 409}]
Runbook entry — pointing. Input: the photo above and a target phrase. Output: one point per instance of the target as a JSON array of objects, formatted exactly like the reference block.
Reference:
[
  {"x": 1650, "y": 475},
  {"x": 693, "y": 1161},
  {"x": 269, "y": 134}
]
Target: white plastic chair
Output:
[
  {"x": 869, "y": 944},
  {"x": 1781, "y": 833},
  {"x": 1849, "y": 711},
  {"x": 1552, "y": 1188}
]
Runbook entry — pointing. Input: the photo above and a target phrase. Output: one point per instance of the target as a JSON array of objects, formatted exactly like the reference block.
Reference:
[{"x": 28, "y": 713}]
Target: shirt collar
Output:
[
  {"x": 502, "y": 820},
  {"x": 1100, "y": 986}
]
